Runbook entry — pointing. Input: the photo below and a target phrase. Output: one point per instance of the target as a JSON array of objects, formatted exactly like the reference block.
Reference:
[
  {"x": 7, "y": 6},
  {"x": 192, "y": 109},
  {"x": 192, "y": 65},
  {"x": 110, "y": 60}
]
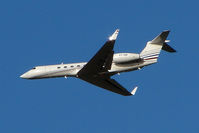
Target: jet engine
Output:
[{"x": 121, "y": 58}]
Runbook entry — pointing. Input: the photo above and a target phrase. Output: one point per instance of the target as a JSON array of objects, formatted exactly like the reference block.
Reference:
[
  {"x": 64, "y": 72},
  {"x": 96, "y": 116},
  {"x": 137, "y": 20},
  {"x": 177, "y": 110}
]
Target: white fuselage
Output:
[{"x": 122, "y": 62}]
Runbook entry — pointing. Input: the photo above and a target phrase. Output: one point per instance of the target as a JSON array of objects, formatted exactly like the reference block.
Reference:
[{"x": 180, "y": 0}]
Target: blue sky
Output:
[{"x": 42, "y": 32}]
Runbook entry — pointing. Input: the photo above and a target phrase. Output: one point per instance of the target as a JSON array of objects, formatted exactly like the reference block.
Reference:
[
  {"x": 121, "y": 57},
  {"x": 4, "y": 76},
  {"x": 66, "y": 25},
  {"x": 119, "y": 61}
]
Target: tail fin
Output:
[{"x": 152, "y": 50}]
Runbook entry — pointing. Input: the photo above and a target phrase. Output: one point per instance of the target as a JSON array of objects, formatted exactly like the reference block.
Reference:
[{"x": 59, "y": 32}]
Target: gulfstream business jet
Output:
[{"x": 105, "y": 63}]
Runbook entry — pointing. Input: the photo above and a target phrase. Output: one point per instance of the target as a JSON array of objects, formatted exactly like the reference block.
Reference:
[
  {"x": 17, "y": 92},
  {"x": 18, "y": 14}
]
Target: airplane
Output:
[{"x": 104, "y": 64}]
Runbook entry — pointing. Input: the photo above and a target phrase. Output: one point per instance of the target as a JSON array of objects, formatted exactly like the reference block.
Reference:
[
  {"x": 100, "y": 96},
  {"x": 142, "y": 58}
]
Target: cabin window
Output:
[
  {"x": 125, "y": 54},
  {"x": 71, "y": 66},
  {"x": 78, "y": 65},
  {"x": 58, "y": 67},
  {"x": 65, "y": 66}
]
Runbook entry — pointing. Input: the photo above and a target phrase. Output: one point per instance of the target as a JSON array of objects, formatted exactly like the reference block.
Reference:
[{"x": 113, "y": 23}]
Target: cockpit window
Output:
[{"x": 34, "y": 68}]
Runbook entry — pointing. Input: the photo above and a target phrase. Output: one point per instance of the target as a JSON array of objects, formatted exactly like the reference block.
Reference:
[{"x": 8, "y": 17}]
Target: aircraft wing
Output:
[
  {"x": 108, "y": 84},
  {"x": 101, "y": 62}
]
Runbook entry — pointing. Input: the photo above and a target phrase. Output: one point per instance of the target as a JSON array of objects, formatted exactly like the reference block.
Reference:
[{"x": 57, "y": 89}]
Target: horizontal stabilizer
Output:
[
  {"x": 168, "y": 48},
  {"x": 134, "y": 90}
]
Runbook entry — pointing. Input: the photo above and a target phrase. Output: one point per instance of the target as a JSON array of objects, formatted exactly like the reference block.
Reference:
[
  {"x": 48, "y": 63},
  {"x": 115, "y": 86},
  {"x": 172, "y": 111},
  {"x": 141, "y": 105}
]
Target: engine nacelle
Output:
[{"x": 125, "y": 57}]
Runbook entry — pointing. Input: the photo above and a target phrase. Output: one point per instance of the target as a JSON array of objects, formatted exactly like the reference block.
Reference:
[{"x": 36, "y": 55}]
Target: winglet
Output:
[
  {"x": 114, "y": 35},
  {"x": 134, "y": 90}
]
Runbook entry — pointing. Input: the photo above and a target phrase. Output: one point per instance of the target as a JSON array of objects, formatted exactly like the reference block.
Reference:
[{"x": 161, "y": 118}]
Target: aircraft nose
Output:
[{"x": 24, "y": 76}]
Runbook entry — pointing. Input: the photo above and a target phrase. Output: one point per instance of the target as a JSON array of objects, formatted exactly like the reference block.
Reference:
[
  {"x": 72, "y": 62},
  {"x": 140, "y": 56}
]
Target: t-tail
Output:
[{"x": 153, "y": 48}]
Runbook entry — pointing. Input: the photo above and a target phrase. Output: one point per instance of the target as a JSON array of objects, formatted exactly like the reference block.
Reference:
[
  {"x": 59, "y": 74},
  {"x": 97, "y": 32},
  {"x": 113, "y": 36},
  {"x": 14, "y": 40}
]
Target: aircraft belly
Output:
[
  {"x": 72, "y": 72},
  {"x": 68, "y": 73}
]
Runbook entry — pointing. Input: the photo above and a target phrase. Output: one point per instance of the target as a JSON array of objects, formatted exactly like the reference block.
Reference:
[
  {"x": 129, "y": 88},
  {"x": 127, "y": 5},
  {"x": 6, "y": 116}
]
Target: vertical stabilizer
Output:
[{"x": 152, "y": 50}]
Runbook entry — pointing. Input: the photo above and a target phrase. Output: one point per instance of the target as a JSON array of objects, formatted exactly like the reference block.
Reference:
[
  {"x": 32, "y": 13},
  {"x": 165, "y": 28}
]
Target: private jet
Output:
[{"x": 105, "y": 63}]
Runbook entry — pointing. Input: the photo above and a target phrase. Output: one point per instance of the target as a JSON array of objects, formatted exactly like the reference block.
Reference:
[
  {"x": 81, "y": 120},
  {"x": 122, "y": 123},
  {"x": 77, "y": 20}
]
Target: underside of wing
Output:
[
  {"x": 102, "y": 60},
  {"x": 108, "y": 84}
]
